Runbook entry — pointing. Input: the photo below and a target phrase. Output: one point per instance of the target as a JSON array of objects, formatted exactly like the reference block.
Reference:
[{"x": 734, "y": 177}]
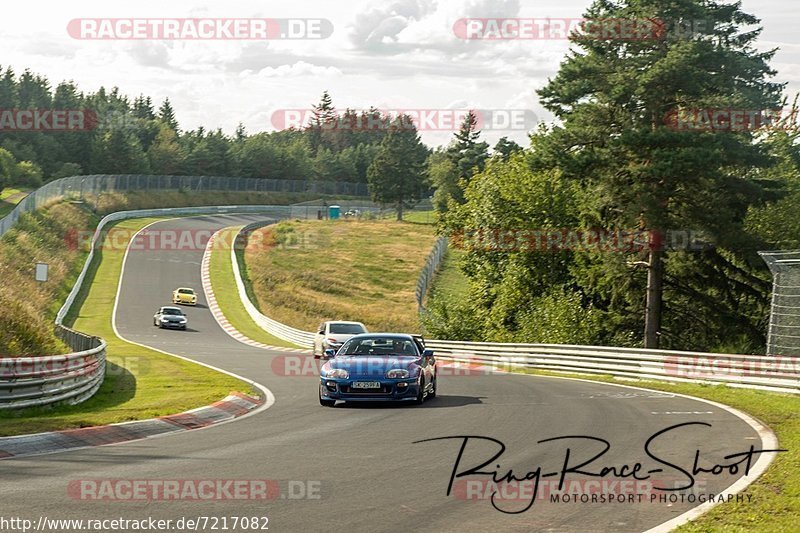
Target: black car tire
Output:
[
  {"x": 326, "y": 403},
  {"x": 420, "y": 392}
]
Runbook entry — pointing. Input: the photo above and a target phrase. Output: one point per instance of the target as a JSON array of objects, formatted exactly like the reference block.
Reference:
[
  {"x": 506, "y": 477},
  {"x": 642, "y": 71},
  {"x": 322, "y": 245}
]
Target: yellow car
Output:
[{"x": 184, "y": 295}]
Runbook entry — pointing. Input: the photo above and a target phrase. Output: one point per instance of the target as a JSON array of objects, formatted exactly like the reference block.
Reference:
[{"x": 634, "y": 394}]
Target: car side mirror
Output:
[
  {"x": 329, "y": 354},
  {"x": 321, "y": 332},
  {"x": 427, "y": 352}
]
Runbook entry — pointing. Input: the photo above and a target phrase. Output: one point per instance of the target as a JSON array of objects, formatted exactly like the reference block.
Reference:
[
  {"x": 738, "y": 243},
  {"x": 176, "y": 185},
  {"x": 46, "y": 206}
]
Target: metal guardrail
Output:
[
  {"x": 71, "y": 378},
  {"x": 429, "y": 271},
  {"x": 80, "y": 186},
  {"x": 778, "y": 374},
  {"x": 273, "y": 327}
]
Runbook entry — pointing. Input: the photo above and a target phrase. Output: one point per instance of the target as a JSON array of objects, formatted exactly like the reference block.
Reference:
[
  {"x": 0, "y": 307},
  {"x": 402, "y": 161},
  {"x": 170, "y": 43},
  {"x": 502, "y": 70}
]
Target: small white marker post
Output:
[{"x": 41, "y": 271}]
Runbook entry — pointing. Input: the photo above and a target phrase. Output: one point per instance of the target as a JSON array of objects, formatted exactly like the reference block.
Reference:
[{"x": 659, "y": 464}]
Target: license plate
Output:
[{"x": 366, "y": 384}]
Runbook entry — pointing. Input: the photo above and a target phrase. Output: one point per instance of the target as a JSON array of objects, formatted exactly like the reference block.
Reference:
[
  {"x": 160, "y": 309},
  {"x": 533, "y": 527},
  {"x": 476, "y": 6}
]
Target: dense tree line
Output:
[
  {"x": 136, "y": 137},
  {"x": 704, "y": 200}
]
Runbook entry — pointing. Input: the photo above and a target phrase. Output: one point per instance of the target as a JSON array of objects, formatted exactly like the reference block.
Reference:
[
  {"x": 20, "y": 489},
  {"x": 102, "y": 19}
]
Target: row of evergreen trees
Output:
[{"x": 133, "y": 137}]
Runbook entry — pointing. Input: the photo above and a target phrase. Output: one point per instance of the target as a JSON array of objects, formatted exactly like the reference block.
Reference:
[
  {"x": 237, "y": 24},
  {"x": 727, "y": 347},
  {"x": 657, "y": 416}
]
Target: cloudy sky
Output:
[{"x": 400, "y": 54}]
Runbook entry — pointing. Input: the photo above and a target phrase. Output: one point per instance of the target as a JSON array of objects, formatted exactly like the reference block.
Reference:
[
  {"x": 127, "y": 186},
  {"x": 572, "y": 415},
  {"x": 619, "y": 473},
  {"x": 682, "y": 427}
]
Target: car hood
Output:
[
  {"x": 340, "y": 337},
  {"x": 374, "y": 366}
]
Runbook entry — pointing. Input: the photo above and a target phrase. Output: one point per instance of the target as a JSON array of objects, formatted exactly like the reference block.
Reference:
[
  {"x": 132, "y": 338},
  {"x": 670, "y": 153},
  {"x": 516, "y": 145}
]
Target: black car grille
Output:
[{"x": 347, "y": 389}]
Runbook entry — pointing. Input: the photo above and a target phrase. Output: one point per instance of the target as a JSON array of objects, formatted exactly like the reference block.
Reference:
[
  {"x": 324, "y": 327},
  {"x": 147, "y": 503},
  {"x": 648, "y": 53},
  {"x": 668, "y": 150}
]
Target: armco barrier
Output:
[
  {"x": 775, "y": 373},
  {"x": 71, "y": 378},
  {"x": 273, "y": 327}
]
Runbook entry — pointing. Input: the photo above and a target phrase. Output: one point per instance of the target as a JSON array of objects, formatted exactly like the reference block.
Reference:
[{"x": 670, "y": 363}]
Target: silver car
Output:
[
  {"x": 170, "y": 317},
  {"x": 332, "y": 334}
]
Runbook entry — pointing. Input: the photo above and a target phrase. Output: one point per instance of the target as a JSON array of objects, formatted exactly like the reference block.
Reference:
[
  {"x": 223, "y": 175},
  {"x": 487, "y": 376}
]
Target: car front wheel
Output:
[
  {"x": 420, "y": 392},
  {"x": 326, "y": 403}
]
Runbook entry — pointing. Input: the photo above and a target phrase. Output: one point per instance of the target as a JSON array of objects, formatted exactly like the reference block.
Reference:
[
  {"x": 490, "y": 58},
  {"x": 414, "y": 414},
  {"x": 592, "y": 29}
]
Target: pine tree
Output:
[
  {"x": 167, "y": 115},
  {"x": 397, "y": 175},
  {"x": 615, "y": 97},
  {"x": 466, "y": 156}
]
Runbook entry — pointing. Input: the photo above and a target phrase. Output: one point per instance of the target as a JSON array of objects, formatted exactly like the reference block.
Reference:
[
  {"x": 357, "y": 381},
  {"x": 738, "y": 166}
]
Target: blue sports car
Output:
[{"x": 378, "y": 367}]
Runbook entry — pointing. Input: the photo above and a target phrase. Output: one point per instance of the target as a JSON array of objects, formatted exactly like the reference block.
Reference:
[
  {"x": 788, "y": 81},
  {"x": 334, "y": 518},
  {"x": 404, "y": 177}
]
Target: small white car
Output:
[
  {"x": 170, "y": 317},
  {"x": 332, "y": 334}
]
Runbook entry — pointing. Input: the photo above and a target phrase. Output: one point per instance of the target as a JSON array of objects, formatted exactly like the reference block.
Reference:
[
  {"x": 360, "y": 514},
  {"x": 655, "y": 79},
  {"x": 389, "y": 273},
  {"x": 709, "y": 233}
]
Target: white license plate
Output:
[{"x": 366, "y": 384}]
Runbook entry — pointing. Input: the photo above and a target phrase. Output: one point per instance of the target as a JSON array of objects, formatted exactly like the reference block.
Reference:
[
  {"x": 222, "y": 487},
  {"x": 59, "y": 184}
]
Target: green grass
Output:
[
  {"x": 450, "y": 281},
  {"x": 420, "y": 217},
  {"x": 223, "y": 284},
  {"x": 775, "y": 504},
  {"x": 303, "y": 273},
  {"x": 140, "y": 383},
  {"x": 6, "y": 204}
]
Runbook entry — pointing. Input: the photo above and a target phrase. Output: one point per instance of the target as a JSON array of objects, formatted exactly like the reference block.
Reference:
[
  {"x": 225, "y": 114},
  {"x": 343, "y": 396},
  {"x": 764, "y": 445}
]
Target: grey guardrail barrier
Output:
[
  {"x": 774, "y": 373},
  {"x": 302, "y": 338},
  {"x": 73, "y": 378},
  {"x": 70, "y": 378}
]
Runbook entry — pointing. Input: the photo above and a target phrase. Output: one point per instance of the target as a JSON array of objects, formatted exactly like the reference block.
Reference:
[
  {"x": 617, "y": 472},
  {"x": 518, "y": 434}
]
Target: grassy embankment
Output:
[
  {"x": 224, "y": 285},
  {"x": 140, "y": 383},
  {"x": 302, "y": 273}
]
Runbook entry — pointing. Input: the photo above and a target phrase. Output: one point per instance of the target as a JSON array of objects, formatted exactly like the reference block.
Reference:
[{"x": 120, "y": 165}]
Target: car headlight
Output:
[
  {"x": 164, "y": 319},
  {"x": 182, "y": 320},
  {"x": 397, "y": 373},
  {"x": 338, "y": 373}
]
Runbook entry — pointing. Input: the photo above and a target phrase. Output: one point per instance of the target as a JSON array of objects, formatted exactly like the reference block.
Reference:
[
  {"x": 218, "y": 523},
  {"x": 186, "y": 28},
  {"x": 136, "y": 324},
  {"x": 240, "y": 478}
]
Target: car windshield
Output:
[
  {"x": 185, "y": 291},
  {"x": 379, "y": 346},
  {"x": 347, "y": 329},
  {"x": 171, "y": 312}
]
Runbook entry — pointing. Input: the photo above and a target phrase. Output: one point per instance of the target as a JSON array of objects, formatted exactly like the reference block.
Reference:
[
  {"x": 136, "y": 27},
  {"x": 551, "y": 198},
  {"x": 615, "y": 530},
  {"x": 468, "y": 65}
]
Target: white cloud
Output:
[{"x": 398, "y": 53}]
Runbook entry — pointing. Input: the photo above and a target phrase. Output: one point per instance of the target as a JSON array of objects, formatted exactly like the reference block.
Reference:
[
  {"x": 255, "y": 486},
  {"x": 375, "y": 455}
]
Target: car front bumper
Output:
[
  {"x": 389, "y": 391},
  {"x": 173, "y": 325}
]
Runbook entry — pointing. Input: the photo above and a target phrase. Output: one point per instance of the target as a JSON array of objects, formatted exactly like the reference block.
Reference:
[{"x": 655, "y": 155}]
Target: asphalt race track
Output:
[{"x": 360, "y": 462}]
